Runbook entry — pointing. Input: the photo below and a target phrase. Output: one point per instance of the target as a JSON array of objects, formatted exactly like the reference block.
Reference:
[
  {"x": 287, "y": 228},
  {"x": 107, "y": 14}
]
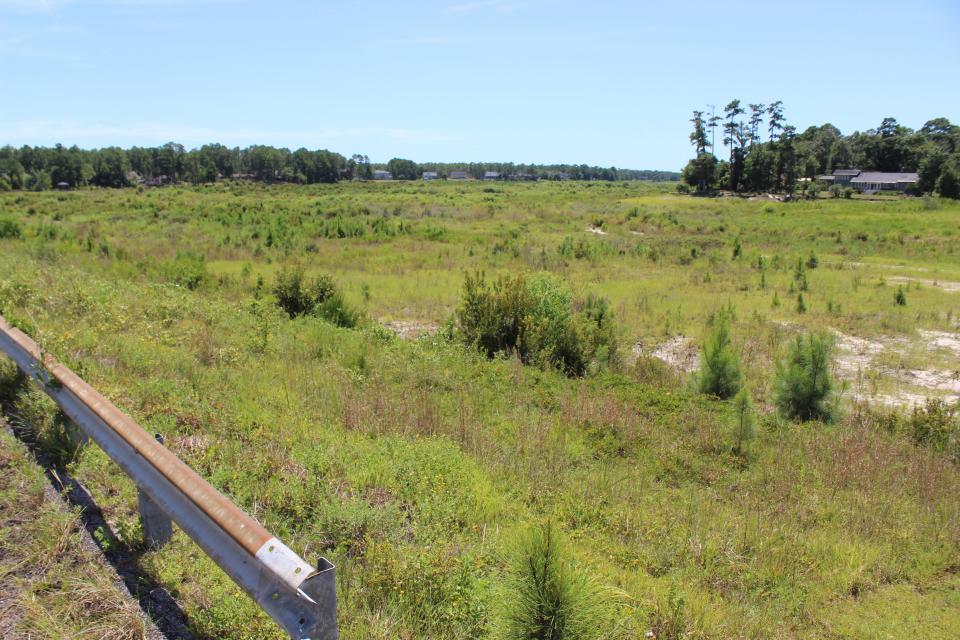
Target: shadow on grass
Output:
[{"x": 155, "y": 601}]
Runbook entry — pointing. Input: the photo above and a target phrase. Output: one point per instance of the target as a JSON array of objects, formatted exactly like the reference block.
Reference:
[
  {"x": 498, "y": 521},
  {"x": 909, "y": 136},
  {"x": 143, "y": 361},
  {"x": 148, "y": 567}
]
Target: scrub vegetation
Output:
[{"x": 541, "y": 463}]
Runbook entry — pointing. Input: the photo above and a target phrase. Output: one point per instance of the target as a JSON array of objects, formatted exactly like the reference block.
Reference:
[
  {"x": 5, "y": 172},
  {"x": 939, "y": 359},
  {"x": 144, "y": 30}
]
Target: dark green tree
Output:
[
  {"x": 698, "y": 138},
  {"x": 403, "y": 169},
  {"x": 948, "y": 185},
  {"x": 700, "y": 172}
]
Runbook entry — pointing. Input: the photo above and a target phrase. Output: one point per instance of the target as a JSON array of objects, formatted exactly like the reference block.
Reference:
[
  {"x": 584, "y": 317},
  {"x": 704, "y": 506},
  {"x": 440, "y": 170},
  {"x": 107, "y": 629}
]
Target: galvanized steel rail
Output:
[{"x": 301, "y": 598}]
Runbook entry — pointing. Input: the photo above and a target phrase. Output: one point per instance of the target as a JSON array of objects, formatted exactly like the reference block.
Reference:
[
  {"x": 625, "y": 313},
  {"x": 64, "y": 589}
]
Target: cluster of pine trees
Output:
[
  {"x": 767, "y": 154},
  {"x": 39, "y": 168}
]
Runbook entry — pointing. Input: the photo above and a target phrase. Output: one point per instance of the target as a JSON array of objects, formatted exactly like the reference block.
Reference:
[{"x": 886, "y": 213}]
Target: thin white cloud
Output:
[{"x": 48, "y": 132}]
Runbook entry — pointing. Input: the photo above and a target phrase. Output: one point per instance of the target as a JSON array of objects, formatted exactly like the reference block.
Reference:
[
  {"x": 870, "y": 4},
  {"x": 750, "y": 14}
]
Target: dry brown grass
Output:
[{"x": 51, "y": 584}]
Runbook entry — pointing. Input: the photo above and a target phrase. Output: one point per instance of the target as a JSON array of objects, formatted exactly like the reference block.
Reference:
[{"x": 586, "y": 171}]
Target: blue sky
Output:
[{"x": 602, "y": 82}]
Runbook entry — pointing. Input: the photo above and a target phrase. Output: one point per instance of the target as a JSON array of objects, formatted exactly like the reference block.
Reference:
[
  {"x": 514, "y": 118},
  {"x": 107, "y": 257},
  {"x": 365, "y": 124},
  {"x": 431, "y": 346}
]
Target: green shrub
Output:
[
  {"x": 492, "y": 318},
  {"x": 547, "y": 598},
  {"x": 948, "y": 184},
  {"x": 535, "y": 319},
  {"x": 320, "y": 297},
  {"x": 803, "y": 388},
  {"x": 937, "y": 426},
  {"x": 900, "y": 298},
  {"x": 187, "y": 270},
  {"x": 291, "y": 292},
  {"x": 10, "y": 229},
  {"x": 719, "y": 373}
]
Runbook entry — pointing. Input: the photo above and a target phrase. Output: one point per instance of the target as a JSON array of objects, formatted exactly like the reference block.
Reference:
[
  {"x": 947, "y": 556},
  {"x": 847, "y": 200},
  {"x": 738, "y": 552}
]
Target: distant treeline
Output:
[
  {"x": 39, "y": 168},
  {"x": 767, "y": 154},
  {"x": 512, "y": 171}
]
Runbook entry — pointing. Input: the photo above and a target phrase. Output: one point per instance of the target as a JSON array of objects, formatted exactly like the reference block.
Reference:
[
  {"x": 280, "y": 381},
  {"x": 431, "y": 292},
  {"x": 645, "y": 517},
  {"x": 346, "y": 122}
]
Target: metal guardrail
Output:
[{"x": 301, "y": 598}]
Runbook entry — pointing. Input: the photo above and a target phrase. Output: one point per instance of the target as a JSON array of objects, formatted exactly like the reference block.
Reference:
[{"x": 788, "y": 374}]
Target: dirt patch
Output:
[
  {"x": 410, "y": 329},
  {"x": 937, "y": 380},
  {"x": 854, "y": 263},
  {"x": 856, "y": 356},
  {"x": 680, "y": 352},
  {"x": 942, "y": 340},
  {"x": 946, "y": 285},
  {"x": 188, "y": 444}
]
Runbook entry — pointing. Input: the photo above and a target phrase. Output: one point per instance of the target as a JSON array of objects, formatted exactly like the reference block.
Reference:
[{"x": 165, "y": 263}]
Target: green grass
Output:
[
  {"x": 414, "y": 465},
  {"x": 51, "y": 585}
]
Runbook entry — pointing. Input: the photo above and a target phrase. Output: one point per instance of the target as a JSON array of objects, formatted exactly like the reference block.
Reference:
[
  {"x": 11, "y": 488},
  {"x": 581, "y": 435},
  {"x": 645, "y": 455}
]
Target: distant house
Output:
[
  {"x": 491, "y": 175},
  {"x": 380, "y": 174},
  {"x": 870, "y": 181},
  {"x": 563, "y": 175},
  {"x": 63, "y": 186},
  {"x": 430, "y": 175},
  {"x": 458, "y": 175},
  {"x": 157, "y": 181},
  {"x": 844, "y": 176}
]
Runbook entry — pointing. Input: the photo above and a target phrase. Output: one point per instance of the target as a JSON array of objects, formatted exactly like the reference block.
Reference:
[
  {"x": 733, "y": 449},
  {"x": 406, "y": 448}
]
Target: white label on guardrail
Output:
[{"x": 287, "y": 565}]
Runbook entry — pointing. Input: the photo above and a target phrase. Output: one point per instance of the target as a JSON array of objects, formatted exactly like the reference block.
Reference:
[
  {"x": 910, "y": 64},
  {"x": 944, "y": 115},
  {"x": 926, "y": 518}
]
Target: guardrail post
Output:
[{"x": 157, "y": 525}]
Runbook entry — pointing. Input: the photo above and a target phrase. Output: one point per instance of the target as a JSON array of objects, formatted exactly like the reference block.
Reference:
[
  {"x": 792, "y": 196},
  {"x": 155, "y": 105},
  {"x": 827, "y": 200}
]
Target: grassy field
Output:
[
  {"x": 51, "y": 584},
  {"x": 416, "y": 464}
]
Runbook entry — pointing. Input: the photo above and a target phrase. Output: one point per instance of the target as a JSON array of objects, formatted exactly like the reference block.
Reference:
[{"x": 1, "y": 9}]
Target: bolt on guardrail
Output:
[{"x": 301, "y": 598}]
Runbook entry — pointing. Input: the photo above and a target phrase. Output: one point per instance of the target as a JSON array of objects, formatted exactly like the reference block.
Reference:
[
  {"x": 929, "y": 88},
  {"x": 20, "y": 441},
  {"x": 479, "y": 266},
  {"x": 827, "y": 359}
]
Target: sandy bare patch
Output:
[
  {"x": 878, "y": 265},
  {"x": 946, "y": 285},
  {"x": 597, "y": 230},
  {"x": 679, "y": 352},
  {"x": 410, "y": 329},
  {"x": 937, "y": 379},
  {"x": 942, "y": 340},
  {"x": 856, "y": 356}
]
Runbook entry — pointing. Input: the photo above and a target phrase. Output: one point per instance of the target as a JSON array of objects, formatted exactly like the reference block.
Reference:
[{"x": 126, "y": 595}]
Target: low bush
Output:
[
  {"x": 535, "y": 318},
  {"x": 936, "y": 425},
  {"x": 900, "y": 298},
  {"x": 10, "y": 229},
  {"x": 187, "y": 270},
  {"x": 803, "y": 388},
  {"x": 320, "y": 297}
]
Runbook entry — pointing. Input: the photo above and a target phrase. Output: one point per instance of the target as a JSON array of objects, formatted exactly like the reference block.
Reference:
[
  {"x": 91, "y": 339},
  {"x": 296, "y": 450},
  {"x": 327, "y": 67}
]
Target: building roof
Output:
[
  {"x": 882, "y": 176},
  {"x": 491, "y": 174},
  {"x": 846, "y": 172}
]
